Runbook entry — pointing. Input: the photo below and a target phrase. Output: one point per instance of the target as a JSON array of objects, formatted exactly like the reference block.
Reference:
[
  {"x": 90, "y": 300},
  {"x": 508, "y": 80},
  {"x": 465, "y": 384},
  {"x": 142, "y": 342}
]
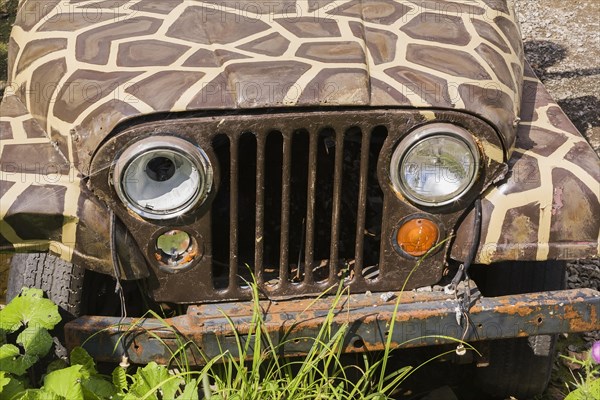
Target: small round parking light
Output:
[
  {"x": 417, "y": 236},
  {"x": 176, "y": 250}
]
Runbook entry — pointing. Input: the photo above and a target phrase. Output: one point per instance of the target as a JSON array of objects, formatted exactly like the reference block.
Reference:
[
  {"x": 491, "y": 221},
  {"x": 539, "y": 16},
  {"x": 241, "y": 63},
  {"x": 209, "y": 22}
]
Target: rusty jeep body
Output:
[{"x": 196, "y": 146}]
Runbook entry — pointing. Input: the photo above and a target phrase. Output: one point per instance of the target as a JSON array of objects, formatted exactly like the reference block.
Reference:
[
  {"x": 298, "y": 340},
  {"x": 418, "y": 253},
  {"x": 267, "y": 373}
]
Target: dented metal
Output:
[{"x": 548, "y": 205}]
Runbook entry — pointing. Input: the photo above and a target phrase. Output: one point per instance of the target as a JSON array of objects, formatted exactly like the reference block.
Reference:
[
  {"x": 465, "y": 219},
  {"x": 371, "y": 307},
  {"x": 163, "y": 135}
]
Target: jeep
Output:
[{"x": 186, "y": 151}]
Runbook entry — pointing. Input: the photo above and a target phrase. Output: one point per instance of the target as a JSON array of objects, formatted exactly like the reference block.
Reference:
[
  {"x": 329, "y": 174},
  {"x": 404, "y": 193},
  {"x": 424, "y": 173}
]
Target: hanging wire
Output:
[
  {"x": 118, "y": 287},
  {"x": 464, "y": 305}
]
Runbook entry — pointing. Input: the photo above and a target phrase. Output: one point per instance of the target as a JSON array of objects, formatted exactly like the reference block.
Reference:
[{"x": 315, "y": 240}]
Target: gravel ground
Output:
[{"x": 562, "y": 44}]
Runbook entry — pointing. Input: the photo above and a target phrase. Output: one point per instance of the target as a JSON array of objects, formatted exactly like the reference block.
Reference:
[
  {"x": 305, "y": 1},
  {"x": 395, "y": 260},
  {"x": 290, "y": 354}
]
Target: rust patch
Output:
[
  {"x": 557, "y": 204},
  {"x": 291, "y": 324},
  {"x": 577, "y": 324},
  {"x": 522, "y": 226},
  {"x": 508, "y": 305}
]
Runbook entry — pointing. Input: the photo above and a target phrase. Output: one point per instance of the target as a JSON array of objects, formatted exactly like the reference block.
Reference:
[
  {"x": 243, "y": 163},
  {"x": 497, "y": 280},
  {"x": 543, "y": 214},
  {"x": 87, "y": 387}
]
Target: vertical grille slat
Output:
[
  {"x": 297, "y": 208},
  {"x": 310, "y": 209},
  {"x": 362, "y": 201},
  {"x": 285, "y": 209},
  {"x": 233, "y": 212},
  {"x": 336, "y": 206},
  {"x": 260, "y": 208}
]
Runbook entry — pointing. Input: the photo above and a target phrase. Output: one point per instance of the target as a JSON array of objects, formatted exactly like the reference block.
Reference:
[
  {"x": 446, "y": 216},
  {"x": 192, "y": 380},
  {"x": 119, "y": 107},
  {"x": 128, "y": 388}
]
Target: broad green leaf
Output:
[
  {"x": 152, "y": 376},
  {"x": 90, "y": 395},
  {"x": 31, "y": 309},
  {"x": 119, "y": 379},
  {"x": 592, "y": 391},
  {"x": 65, "y": 383},
  {"x": 35, "y": 340},
  {"x": 190, "y": 392},
  {"x": 595, "y": 389},
  {"x": 576, "y": 395},
  {"x": 12, "y": 361},
  {"x": 95, "y": 387},
  {"x": 81, "y": 357},
  {"x": 4, "y": 380},
  {"x": 56, "y": 365},
  {"x": 10, "y": 386},
  {"x": 37, "y": 394}
]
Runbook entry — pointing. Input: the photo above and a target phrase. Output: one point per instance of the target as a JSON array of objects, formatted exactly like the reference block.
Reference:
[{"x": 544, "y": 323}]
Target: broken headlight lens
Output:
[{"x": 162, "y": 177}]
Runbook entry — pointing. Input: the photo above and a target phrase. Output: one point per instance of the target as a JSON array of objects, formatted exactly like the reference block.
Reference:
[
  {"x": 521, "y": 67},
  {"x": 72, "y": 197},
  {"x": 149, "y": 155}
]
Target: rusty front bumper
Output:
[{"x": 295, "y": 322}]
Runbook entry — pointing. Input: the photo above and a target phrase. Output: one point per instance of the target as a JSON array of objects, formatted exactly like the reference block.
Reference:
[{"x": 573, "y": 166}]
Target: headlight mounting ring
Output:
[
  {"x": 173, "y": 152},
  {"x": 419, "y": 137}
]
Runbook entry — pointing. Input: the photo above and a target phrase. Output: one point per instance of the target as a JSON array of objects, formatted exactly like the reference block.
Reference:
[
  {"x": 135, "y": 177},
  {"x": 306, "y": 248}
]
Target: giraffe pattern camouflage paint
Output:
[
  {"x": 77, "y": 69},
  {"x": 100, "y": 67},
  {"x": 548, "y": 205}
]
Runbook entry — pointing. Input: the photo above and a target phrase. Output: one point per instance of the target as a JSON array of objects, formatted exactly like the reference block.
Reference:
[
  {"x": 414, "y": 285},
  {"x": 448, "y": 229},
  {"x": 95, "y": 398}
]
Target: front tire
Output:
[
  {"x": 60, "y": 280},
  {"x": 515, "y": 370}
]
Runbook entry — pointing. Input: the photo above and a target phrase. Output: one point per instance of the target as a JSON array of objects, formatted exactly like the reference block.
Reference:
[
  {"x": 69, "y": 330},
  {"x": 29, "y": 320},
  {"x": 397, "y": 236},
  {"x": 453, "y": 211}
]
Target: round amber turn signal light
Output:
[{"x": 417, "y": 236}]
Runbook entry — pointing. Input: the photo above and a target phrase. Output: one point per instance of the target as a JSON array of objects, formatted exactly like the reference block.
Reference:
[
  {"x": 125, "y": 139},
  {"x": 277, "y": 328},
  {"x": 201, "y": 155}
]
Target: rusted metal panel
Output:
[
  {"x": 359, "y": 264},
  {"x": 284, "y": 256},
  {"x": 336, "y": 205},
  {"x": 233, "y": 211},
  {"x": 420, "y": 320}
]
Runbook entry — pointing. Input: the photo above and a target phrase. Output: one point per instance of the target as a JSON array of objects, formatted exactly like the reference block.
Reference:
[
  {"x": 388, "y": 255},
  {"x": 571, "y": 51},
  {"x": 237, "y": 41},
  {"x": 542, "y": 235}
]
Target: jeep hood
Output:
[{"x": 84, "y": 67}]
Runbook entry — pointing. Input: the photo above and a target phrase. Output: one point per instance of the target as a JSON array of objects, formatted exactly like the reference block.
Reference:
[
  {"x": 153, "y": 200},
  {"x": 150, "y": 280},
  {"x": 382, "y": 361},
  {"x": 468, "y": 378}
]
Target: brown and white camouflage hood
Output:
[{"x": 82, "y": 67}]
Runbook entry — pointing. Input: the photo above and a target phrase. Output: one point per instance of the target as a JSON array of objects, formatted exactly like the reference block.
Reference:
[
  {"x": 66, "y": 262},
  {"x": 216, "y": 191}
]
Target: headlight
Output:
[
  {"x": 162, "y": 177},
  {"x": 435, "y": 165}
]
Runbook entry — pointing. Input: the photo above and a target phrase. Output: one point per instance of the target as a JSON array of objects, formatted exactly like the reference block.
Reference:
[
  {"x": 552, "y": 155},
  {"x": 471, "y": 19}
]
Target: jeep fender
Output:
[
  {"x": 46, "y": 206},
  {"x": 548, "y": 207}
]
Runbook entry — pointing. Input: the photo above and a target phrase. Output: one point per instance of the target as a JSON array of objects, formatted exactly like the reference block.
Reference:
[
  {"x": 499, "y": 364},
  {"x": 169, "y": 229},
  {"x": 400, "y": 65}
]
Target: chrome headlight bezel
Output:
[
  {"x": 419, "y": 137},
  {"x": 159, "y": 145}
]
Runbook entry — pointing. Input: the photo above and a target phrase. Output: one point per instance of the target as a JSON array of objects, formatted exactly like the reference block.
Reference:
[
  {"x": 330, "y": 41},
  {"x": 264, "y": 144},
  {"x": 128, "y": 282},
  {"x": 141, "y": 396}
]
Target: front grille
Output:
[
  {"x": 297, "y": 210},
  {"x": 301, "y": 202}
]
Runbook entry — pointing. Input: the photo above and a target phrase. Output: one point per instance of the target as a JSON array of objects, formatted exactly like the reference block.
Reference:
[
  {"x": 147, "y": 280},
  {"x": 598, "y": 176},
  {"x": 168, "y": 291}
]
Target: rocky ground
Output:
[{"x": 562, "y": 43}]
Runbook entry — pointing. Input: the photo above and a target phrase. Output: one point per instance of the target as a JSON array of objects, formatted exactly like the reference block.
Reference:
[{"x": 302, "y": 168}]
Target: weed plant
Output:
[{"x": 254, "y": 371}]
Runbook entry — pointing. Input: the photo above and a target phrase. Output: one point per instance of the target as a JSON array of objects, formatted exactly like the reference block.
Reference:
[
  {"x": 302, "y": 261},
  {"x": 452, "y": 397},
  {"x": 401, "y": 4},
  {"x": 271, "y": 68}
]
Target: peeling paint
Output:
[
  {"x": 417, "y": 317},
  {"x": 557, "y": 204}
]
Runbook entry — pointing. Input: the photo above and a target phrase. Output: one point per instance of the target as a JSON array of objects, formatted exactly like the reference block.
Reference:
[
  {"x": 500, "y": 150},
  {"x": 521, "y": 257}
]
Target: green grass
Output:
[
  {"x": 586, "y": 382},
  {"x": 256, "y": 370}
]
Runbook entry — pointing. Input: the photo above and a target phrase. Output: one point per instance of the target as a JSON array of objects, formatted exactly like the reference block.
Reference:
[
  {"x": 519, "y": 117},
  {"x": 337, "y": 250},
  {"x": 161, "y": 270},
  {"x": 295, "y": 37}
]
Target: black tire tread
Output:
[
  {"x": 514, "y": 369},
  {"x": 60, "y": 280},
  {"x": 522, "y": 277}
]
